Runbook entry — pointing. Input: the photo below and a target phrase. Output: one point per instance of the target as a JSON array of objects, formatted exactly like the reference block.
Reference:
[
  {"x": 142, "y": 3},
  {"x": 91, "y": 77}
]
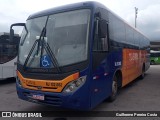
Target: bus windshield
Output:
[{"x": 66, "y": 34}]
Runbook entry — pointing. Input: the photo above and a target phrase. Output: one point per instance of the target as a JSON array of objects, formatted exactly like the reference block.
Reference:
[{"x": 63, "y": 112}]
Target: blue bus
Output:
[{"x": 76, "y": 56}]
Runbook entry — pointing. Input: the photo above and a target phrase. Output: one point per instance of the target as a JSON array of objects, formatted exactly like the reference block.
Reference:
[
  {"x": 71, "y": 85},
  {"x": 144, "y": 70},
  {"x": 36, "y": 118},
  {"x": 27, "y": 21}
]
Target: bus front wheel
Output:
[{"x": 114, "y": 89}]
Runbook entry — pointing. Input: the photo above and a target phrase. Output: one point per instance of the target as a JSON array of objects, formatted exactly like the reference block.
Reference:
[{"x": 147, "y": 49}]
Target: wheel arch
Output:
[{"x": 118, "y": 74}]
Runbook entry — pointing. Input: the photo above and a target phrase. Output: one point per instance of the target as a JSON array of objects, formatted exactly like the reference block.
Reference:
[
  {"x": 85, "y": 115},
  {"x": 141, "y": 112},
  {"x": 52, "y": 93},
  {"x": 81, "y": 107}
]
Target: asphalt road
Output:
[{"x": 140, "y": 95}]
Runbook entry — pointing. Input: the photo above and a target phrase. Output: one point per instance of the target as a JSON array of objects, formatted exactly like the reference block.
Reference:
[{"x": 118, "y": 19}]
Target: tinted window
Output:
[
  {"x": 119, "y": 30},
  {"x": 8, "y": 51},
  {"x": 100, "y": 44},
  {"x": 129, "y": 36},
  {"x": 111, "y": 19},
  {"x": 137, "y": 39}
]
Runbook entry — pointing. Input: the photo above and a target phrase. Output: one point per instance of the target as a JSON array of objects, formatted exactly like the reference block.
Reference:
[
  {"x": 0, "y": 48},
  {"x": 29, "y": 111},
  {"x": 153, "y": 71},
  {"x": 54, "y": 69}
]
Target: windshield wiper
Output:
[
  {"x": 40, "y": 39},
  {"x": 33, "y": 47},
  {"x": 45, "y": 46},
  {"x": 53, "y": 58},
  {"x": 29, "y": 55}
]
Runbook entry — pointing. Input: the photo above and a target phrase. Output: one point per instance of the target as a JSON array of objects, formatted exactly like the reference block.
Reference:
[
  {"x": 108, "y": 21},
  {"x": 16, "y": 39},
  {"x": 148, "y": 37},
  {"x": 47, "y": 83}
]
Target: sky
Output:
[{"x": 148, "y": 17}]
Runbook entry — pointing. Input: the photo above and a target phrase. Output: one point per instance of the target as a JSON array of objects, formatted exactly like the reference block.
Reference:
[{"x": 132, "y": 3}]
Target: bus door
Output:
[{"x": 99, "y": 62}]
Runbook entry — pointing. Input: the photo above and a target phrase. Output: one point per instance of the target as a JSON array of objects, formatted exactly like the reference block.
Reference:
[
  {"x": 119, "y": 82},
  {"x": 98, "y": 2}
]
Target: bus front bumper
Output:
[{"x": 64, "y": 100}]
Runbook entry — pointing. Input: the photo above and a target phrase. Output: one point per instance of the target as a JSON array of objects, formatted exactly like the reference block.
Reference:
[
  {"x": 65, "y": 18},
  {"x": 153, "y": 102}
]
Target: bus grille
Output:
[{"x": 51, "y": 100}]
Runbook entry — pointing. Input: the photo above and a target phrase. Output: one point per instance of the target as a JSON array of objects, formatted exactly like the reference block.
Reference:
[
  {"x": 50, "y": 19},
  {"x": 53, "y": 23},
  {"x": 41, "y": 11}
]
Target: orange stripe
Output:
[
  {"x": 132, "y": 64},
  {"x": 46, "y": 85}
]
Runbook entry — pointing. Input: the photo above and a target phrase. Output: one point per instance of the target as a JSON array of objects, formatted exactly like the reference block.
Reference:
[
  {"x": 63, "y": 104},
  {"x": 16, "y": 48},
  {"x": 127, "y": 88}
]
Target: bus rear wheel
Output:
[
  {"x": 143, "y": 73},
  {"x": 114, "y": 89}
]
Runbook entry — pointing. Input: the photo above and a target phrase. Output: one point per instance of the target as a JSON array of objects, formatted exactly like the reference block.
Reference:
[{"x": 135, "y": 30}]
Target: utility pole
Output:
[{"x": 136, "y": 12}]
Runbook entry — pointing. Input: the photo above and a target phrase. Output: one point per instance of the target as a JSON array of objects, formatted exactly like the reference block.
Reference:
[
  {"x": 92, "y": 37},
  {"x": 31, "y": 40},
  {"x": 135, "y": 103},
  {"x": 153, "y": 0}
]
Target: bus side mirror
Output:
[
  {"x": 11, "y": 35},
  {"x": 102, "y": 28},
  {"x": 12, "y": 31}
]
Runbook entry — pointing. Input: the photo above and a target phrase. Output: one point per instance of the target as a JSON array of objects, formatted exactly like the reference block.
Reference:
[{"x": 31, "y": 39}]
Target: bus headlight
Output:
[
  {"x": 18, "y": 81},
  {"x": 74, "y": 85}
]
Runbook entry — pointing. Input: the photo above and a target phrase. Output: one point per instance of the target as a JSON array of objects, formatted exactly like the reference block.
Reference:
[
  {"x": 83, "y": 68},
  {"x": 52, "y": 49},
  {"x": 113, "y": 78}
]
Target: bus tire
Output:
[
  {"x": 113, "y": 95},
  {"x": 143, "y": 73}
]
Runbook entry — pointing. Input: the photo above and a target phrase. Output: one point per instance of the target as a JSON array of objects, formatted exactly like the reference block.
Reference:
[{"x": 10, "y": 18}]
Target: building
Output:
[{"x": 155, "y": 45}]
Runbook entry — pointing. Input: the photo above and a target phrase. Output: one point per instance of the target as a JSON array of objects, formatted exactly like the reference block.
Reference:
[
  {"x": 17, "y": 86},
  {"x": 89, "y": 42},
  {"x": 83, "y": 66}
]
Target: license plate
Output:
[{"x": 38, "y": 97}]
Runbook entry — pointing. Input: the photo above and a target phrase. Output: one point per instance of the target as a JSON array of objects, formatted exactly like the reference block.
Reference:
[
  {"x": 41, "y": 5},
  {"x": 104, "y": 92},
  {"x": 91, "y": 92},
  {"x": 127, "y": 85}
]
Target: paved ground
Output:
[{"x": 140, "y": 95}]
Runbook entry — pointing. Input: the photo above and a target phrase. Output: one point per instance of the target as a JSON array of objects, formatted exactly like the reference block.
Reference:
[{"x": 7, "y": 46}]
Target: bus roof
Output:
[{"x": 89, "y": 4}]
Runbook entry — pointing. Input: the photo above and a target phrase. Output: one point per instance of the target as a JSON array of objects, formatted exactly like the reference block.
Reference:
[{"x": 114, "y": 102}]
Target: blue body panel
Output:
[{"x": 102, "y": 85}]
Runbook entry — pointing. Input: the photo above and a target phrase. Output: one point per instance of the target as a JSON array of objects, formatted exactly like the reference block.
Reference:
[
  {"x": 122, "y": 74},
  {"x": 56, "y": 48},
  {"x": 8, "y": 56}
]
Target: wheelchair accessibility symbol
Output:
[{"x": 45, "y": 61}]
